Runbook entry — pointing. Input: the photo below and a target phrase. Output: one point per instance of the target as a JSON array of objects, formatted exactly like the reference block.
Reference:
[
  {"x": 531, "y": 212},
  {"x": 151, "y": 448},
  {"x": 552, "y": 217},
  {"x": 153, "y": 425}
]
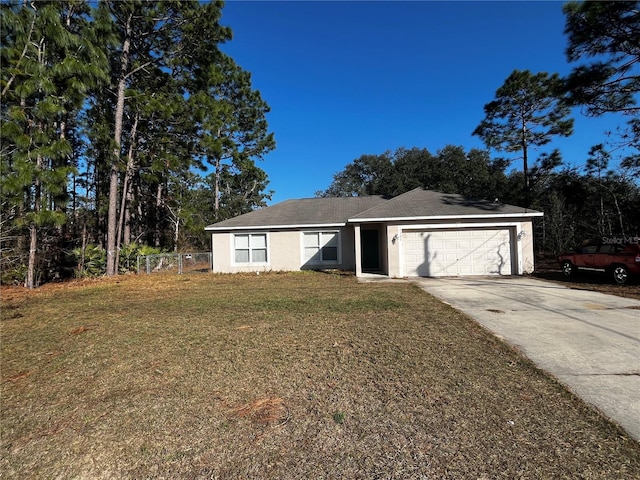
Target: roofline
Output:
[
  {"x": 367, "y": 220},
  {"x": 274, "y": 227},
  {"x": 445, "y": 217}
]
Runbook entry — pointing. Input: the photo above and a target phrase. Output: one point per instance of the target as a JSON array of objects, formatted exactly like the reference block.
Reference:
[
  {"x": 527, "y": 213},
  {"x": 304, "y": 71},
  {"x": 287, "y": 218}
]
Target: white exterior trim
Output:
[
  {"x": 358, "y": 249},
  {"x": 257, "y": 228},
  {"x": 374, "y": 220},
  {"x": 449, "y": 226},
  {"x": 445, "y": 217},
  {"x": 232, "y": 244},
  {"x": 512, "y": 226},
  {"x": 329, "y": 263},
  {"x": 455, "y": 226}
]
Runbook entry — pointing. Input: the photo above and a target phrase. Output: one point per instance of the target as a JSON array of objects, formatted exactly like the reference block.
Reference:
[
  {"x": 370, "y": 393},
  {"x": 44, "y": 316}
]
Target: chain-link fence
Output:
[{"x": 175, "y": 262}]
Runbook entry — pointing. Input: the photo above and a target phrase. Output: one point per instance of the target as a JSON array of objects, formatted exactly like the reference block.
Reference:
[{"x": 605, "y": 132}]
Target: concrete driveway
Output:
[{"x": 589, "y": 341}]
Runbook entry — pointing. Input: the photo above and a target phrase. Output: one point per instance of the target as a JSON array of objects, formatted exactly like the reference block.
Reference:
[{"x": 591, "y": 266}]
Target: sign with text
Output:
[{"x": 620, "y": 240}]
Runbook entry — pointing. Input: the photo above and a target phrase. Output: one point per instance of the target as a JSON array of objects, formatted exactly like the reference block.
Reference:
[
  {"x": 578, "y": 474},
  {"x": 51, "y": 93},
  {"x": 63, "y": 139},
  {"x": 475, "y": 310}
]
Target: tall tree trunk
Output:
[
  {"x": 131, "y": 167},
  {"x": 97, "y": 185},
  {"x": 157, "y": 234},
  {"x": 84, "y": 247},
  {"x": 125, "y": 186},
  {"x": 525, "y": 166},
  {"x": 33, "y": 246},
  {"x": 112, "y": 218},
  {"x": 615, "y": 201},
  {"x": 140, "y": 215},
  {"x": 176, "y": 230},
  {"x": 126, "y": 191},
  {"x": 126, "y": 232},
  {"x": 216, "y": 193},
  {"x": 37, "y": 197},
  {"x": 33, "y": 228},
  {"x": 601, "y": 223}
]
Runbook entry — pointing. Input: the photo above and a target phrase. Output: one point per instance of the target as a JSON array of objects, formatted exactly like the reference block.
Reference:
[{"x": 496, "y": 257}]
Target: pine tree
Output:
[
  {"x": 528, "y": 112},
  {"x": 231, "y": 120},
  {"x": 49, "y": 63}
]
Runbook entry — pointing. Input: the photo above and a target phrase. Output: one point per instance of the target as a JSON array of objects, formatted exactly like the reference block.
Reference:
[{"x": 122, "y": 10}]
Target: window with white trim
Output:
[
  {"x": 321, "y": 247},
  {"x": 250, "y": 248}
]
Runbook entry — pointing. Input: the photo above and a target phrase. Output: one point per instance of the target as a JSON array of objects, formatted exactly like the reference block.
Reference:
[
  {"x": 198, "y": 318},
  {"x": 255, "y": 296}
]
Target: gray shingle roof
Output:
[
  {"x": 415, "y": 204},
  {"x": 422, "y": 203},
  {"x": 306, "y": 211}
]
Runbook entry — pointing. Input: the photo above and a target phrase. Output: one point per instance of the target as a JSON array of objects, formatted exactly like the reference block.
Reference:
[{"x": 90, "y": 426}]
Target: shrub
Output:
[{"x": 92, "y": 262}]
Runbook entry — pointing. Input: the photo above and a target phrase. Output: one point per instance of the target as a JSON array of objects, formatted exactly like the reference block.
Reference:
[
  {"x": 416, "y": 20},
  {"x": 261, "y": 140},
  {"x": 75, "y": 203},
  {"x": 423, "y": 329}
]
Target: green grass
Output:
[{"x": 302, "y": 375}]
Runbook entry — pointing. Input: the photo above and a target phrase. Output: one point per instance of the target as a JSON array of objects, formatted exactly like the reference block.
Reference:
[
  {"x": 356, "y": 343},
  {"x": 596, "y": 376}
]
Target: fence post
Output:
[
  {"x": 148, "y": 265},
  {"x": 138, "y": 264},
  {"x": 179, "y": 264}
]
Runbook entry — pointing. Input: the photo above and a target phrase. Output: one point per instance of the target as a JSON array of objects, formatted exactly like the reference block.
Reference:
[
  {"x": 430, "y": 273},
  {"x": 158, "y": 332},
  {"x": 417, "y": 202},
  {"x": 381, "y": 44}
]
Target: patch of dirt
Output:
[
  {"x": 19, "y": 376},
  {"x": 265, "y": 411},
  {"x": 82, "y": 329}
]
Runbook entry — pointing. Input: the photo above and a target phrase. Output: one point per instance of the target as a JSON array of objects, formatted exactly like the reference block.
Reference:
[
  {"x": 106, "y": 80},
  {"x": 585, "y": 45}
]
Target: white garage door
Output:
[{"x": 472, "y": 251}]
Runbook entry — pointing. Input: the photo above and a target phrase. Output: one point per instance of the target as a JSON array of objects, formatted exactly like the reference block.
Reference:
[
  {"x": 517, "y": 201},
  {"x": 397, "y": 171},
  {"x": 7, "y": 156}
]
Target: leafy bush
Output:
[
  {"x": 90, "y": 263},
  {"x": 14, "y": 275},
  {"x": 129, "y": 256},
  {"x": 93, "y": 262}
]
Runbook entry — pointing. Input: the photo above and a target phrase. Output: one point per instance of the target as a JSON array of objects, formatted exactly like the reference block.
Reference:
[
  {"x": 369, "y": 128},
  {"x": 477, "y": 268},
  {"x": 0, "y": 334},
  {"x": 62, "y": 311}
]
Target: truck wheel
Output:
[
  {"x": 620, "y": 274},
  {"x": 567, "y": 268}
]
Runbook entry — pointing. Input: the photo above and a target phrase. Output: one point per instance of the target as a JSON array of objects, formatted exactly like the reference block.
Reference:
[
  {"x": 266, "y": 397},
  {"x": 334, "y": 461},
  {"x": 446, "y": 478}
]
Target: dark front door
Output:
[{"x": 370, "y": 250}]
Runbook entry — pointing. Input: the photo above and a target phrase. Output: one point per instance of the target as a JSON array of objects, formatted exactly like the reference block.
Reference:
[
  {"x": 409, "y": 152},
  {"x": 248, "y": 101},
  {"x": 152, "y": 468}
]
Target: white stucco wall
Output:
[
  {"x": 526, "y": 243},
  {"x": 284, "y": 251},
  {"x": 285, "y": 247}
]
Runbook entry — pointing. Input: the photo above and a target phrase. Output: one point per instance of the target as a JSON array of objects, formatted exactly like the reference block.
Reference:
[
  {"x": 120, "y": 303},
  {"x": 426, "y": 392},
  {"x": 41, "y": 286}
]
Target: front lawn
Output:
[{"x": 304, "y": 375}]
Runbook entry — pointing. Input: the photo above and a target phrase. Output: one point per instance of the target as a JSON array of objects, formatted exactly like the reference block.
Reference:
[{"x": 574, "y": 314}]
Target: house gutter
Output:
[
  {"x": 445, "y": 217},
  {"x": 274, "y": 227}
]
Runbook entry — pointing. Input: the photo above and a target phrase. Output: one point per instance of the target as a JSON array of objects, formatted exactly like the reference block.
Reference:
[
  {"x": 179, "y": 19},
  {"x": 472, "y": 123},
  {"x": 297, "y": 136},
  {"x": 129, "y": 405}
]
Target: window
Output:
[
  {"x": 250, "y": 248},
  {"x": 321, "y": 247},
  {"x": 611, "y": 249}
]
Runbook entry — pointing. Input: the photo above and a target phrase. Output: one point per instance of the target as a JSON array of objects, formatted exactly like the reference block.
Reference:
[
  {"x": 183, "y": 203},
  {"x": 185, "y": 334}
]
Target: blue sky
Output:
[{"x": 345, "y": 79}]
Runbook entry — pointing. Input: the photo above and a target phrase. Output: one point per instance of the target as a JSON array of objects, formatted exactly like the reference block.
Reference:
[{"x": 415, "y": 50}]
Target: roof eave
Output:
[
  {"x": 446, "y": 217},
  {"x": 212, "y": 228}
]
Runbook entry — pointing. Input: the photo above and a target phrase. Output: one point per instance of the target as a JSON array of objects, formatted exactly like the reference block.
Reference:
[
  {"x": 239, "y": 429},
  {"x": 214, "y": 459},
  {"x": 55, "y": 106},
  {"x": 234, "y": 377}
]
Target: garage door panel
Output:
[
  {"x": 457, "y": 252},
  {"x": 465, "y": 245},
  {"x": 450, "y": 257}
]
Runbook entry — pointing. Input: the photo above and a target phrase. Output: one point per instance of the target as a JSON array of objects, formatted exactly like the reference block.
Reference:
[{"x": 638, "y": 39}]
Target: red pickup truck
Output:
[{"x": 618, "y": 260}]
